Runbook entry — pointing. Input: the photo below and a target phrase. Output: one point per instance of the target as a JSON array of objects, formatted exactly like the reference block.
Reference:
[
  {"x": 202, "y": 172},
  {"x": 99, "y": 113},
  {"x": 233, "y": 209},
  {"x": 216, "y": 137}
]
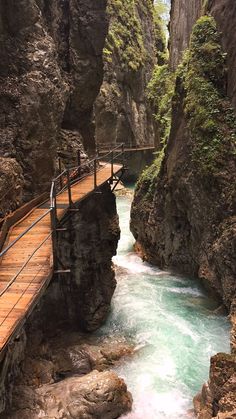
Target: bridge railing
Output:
[
  {"x": 104, "y": 148},
  {"x": 61, "y": 183},
  {"x": 66, "y": 178}
]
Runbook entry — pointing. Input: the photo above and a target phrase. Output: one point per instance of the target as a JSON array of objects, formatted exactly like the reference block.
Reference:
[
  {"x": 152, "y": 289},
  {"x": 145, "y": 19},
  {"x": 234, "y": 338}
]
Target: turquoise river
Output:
[{"x": 173, "y": 325}]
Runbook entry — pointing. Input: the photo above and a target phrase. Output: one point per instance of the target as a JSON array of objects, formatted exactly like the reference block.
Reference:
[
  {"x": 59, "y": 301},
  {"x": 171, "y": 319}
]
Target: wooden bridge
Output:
[{"x": 29, "y": 240}]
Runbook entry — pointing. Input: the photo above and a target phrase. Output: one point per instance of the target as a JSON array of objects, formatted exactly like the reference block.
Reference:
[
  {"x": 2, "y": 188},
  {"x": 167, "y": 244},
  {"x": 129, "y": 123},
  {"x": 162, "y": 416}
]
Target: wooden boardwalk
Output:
[{"x": 22, "y": 281}]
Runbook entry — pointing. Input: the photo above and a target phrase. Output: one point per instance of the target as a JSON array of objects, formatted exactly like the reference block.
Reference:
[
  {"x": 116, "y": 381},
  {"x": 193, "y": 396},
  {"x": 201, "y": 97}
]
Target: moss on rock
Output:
[
  {"x": 126, "y": 35},
  {"x": 211, "y": 119}
]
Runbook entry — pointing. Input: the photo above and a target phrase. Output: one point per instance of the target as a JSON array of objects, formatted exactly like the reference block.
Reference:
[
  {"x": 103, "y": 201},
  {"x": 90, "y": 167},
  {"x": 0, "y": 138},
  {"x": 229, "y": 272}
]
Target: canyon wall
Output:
[
  {"x": 123, "y": 112},
  {"x": 172, "y": 223},
  {"x": 51, "y": 70}
]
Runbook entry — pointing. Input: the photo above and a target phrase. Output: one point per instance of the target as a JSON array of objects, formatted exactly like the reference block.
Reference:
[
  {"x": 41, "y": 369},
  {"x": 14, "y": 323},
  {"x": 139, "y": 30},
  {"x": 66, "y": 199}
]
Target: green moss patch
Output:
[{"x": 211, "y": 119}]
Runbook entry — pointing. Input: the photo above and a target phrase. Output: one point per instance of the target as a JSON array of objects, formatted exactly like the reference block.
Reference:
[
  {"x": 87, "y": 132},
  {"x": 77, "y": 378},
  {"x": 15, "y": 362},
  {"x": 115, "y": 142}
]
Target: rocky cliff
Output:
[
  {"x": 123, "y": 112},
  {"x": 87, "y": 248},
  {"x": 51, "y": 70},
  {"x": 197, "y": 172}
]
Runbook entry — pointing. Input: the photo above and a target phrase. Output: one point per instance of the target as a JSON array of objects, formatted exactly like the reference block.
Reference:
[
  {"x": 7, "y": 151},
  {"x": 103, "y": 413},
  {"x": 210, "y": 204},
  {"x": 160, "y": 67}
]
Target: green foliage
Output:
[
  {"x": 160, "y": 91},
  {"x": 211, "y": 119},
  {"x": 125, "y": 34},
  {"x": 126, "y": 37}
]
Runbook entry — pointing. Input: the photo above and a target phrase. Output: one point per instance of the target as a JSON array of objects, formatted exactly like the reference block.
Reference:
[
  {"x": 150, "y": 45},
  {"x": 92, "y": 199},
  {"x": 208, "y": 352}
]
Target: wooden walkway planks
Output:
[{"x": 17, "y": 300}]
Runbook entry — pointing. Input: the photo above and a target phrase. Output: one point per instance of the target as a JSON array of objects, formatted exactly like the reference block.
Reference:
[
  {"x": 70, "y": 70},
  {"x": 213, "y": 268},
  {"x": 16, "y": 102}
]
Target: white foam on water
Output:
[
  {"x": 134, "y": 264},
  {"x": 151, "y": 405}
]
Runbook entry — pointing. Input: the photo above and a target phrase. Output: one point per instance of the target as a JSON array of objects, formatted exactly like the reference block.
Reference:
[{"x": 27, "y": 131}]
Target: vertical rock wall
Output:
[
  {"x": 87, "y": 248},
  {"x": 183, "y": 15},
  {"x": 224, "y": 11},
  {"x": 50, "y": 73}
]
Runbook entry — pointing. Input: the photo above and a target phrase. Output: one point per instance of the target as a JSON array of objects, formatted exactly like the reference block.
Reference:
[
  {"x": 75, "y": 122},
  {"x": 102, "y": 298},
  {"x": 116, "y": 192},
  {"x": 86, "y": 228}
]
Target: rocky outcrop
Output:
[
  {"x": 98, "y": 394},
  {"x": 86, "y": 248},
  {"x": 123, "y": 112},
  {"x": 217, "y": 398},
  {"x": 50, "y": 74},
  {"x": 11, "y": 185},
  {"x": 66, "y": 375}
]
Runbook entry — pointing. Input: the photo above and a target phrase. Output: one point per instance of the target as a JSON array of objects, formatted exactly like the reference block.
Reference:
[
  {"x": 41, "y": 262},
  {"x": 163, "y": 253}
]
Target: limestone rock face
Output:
[
  {"x": 122, "y": 111},
  {"x": 50, "y": 74},
  {"x": 188, "y": 220}
]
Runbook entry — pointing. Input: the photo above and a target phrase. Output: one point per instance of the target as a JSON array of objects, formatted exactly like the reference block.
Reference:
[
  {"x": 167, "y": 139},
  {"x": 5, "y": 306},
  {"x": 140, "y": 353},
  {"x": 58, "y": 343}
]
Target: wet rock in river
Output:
[{"x": 98, "y": 394}]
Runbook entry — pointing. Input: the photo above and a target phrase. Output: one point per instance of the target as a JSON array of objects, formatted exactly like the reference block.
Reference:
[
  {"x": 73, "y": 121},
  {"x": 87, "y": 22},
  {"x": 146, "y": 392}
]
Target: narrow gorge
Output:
[{"x": 118, "y": 209}]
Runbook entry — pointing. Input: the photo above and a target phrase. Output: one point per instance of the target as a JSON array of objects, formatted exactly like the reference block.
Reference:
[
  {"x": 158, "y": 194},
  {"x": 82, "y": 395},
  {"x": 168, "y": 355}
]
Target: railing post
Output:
[
  {"x": 112, "y": 165},
  {"x": 53, "y": 215},
  {"x": 69, "y": 188},
  {"x": 79, "y": 162},
  {"x": 95, "y": 173},
  {"x": 60, "y": 170}
]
